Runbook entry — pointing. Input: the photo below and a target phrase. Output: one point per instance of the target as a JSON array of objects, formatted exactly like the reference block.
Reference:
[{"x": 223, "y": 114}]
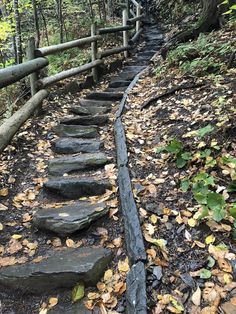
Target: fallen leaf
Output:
[
  {"x": 78, "y": 292},
  {"x": 196, "y": 297}
]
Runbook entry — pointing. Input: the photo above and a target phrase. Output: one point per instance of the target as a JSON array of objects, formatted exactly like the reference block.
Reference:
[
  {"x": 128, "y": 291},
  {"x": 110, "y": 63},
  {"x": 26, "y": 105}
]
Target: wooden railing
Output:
[{"x": 37, "y": 60}]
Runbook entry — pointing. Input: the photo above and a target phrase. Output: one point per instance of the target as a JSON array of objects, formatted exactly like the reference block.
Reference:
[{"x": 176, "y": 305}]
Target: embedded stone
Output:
[
  {"x": 80, "y": 131},
  {"x": 105, "y": 96},
  {"x": 75, "y": 187},
  {"x": 86, "y": 120},
  {"x": 95, "y": 103},
  {"x": 63, "y": 269},
  {"x": 75, "y": 145},
  {"x": 68, "y": 164},
  {"x": 70, "y": 218}
]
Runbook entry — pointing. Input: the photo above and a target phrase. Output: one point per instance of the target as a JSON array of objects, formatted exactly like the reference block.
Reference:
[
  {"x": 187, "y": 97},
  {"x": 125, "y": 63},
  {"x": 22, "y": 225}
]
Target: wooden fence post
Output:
[
  {"x": 125, "y": 33},
  {"x": 138, "y": 13},
  {"x": 94, "y": 53},
  {"x": 31, "y": 56}
]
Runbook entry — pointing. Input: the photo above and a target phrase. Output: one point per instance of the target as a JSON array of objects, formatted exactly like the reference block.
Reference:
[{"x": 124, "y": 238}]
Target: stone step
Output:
[
  {"x": 79, "y": 131},
  {"x": 88, "y": 103},
  {"x": 127, "y": 75},
  {"x": 75, "y": 145},
  {"x": 63, "y": 269},
  {"x": 116, "y": 89},
  {"x": 105, "y": 96},
  {"x": 121, "y": 83},
  {"x": 76, "y": 187},
  {"x": 68, "y": 164},
  {"x": 154, "y": 37},
  {"x": 70, "y": 218},
  {"x": 91, "y": 110},
  {"x": 86, "y": 120},
  {"x": 147, "y": 53},
  {"x": 136, "y": 69},
  {"x": 80, "y": 110}
]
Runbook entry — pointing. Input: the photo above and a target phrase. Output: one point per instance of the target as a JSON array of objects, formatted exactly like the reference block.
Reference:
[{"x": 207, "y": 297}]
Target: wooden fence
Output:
[{"x": 37, "y": 60}]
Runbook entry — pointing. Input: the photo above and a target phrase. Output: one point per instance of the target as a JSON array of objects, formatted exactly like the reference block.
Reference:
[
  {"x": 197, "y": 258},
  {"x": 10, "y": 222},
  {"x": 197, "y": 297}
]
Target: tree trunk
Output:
[
  {"x": 208, "y": 21},
  {"x": 36, "y": 23},
  {"x": 18, "y": 32}
]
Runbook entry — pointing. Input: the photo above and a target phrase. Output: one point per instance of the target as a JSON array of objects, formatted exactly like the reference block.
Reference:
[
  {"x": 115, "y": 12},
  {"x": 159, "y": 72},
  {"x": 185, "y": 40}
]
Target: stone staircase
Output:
[{"x": 78, "y": 151}]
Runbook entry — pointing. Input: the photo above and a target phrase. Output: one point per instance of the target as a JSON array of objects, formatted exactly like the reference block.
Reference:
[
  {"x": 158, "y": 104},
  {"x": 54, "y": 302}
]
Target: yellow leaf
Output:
[
  {"x": 153, "y": 218},
  {"x": 16, "y": 236},
  {"x": 108, "y": 274},
  {"x": 4, "y": 192},
  {"x": 52, "y": 302},
  {"x": 123, "y": 266},
  {"x": 70, "y": 243},
  {"x": 210, "y": 239},
  {"x": 192, "y": 222}
]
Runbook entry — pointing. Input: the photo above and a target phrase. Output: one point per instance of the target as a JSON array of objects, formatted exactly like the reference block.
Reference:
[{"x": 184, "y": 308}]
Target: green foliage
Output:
[
  {"x": 198, "y": 57},
  {"x": 176, "y": 148},
  {"x": 231, "y": 8},
  {"x": 204, "y": 131}
]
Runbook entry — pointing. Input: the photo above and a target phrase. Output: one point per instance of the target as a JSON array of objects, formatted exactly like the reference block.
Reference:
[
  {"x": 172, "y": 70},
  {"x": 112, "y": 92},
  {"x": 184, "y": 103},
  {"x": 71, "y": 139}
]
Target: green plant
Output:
[
  {"x": 209, "y": 200},
  {"x": 176, "y": 148}
]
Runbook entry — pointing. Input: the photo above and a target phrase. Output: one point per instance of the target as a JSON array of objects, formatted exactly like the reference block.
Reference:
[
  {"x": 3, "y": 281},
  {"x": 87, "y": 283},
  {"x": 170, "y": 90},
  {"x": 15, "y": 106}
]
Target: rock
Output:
[
  {"x": 116, "y": 89},
  {"x": 136, "y": 290},
  {"x": 89, "y": 110},
  {"x": 99, "y": 110},
  {"x": 136, "y": 69},
  {"x": 155, "y": 37},
  {"x": 80, "y": 110},
  {"x": 157, "y": 272},
  {"x": 147, "y": 53},
  {"x": 228, "y": 308},
  {"x": 121, "y": 83},
  {"x": 95, "y": 103},
  {"x": 75, "y": 145},
  {"x": 188, "y": 280},
  {"x": 127, "y": 75},
  {"x": 63, "y": 269},
  {"x": 75, "y": 187},
  {"x": 69, "y": 219},
  {"x": 86, "y": 120},
  {"x": 105, "y": 96},
  {"x": 76, "y": 131},
  {"x": 68, "y": 164}
]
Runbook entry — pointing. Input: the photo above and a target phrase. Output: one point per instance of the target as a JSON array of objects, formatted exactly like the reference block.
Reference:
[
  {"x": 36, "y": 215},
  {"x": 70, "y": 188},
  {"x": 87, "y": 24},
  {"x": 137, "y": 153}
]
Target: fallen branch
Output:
[{"x": 170, "y": 92}]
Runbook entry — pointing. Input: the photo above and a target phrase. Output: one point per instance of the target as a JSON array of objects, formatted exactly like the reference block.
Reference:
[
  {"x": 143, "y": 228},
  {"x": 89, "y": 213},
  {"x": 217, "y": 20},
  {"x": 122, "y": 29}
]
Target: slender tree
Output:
[{"x": 18, "y": 36}]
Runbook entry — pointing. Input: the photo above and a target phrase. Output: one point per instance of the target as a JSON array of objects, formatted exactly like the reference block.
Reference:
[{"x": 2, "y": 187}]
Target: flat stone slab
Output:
[
  {"x": 121, "y": 83},
  {"x": 86, "y": 120},
  {"x": 68, "y": 164},
  {"x": 75, "y": 187},
  {"x": 61, "y": 270},
  {"x": 80, "y": 110},
  {"x": 116, "y": 89},
  {"x": 95, "y": 103},
  {"x": 147, "y": 53},
  {"x": 105, "y": 96},
  {"x": 79, "y": 131},
  {"x": 69, "y": 219},
  {"x": 134, "y": 68},
  {"x": 91, "y": 110},
  {"x": 74, "y": 145},
  {"x": 129, "y": 75}
]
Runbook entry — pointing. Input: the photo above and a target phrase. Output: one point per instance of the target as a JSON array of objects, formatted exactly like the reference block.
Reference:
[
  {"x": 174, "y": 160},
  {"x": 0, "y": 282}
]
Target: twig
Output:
[{"x": 170, "y": 92}]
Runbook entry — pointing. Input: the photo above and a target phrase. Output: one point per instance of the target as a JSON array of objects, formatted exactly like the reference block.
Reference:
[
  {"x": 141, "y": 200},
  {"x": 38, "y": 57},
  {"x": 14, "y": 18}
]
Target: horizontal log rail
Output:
[
  {"x": 66, "y": 74},
  {"x": 135, "y": 19},
  {"x": 15, "y": 73},
  {"x": 135, "y": 2},
  {"x": 113, "y": 51},
  {"x": 45, "y": 51},
  {"x": 12, "y": 125},
  {"x": 116, "y": 29},
  {"x": 135, "y": 38}
]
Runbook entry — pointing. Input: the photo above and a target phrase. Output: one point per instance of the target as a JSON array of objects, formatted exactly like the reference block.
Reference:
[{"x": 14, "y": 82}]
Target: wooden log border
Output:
[{"x": 136, "y": 296}]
